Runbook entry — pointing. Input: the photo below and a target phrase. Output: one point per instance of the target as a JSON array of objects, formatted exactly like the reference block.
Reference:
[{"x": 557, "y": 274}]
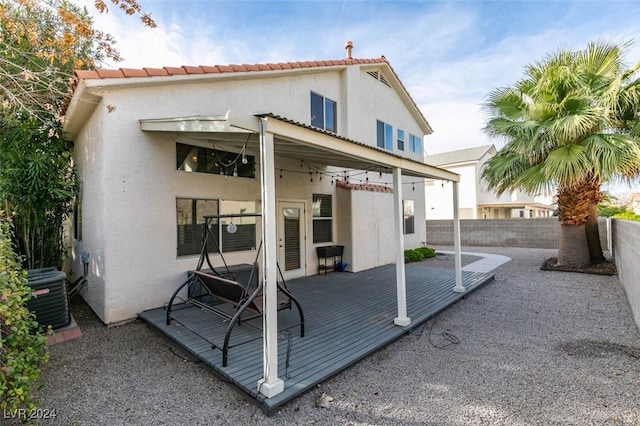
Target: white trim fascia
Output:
[
  {"x": 401, "y": 90},
  {"x": 81, "y": 106},
  {"x": 136, "y": 82}
]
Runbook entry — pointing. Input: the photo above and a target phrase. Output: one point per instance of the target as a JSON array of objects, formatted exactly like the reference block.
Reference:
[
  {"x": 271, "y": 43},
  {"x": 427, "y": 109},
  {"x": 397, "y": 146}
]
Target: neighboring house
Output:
[
  {"x": 157, "y": 149},
  {"x": 476, "y": 201}
]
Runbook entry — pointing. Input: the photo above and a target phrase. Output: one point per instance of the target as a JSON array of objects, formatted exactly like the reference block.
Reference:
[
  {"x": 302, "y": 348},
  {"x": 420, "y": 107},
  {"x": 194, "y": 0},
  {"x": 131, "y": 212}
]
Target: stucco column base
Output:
[
  {"x": 402, "y": 322},
  {"x": 270, "y": 389}
]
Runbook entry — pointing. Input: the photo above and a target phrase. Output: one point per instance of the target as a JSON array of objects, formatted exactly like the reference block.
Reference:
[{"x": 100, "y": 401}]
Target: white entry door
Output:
[{"x": 291, "y": 239}]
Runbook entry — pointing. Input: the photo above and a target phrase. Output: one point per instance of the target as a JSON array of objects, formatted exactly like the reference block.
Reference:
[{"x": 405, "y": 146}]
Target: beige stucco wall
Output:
[{"x": 130, "y": 181}]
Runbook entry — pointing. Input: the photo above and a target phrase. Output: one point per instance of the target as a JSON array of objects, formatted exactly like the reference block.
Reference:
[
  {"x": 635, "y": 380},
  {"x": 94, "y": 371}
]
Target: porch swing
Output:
[{"x": 242, "y": 301}]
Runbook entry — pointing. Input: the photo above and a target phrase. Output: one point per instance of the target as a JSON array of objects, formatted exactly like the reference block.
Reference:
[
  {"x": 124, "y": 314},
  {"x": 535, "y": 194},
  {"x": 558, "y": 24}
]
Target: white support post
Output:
[
  {"x": 456, "y": 241},
  {"x": 398, "y": 218},
  {"x": 270, "y": 384}
]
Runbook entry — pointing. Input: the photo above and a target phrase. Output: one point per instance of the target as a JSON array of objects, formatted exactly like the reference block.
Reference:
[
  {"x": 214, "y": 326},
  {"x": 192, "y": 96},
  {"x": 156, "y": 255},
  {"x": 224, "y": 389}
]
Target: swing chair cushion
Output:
[{"x": 234, "y": 293}]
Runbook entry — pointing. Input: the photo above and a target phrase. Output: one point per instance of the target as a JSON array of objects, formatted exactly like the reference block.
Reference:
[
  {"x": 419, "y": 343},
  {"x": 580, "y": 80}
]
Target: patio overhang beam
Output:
[
  {"x": 201, "y": 125},
  {"x": 293, "y": 140},
  {"x": 303, "y": 142}
]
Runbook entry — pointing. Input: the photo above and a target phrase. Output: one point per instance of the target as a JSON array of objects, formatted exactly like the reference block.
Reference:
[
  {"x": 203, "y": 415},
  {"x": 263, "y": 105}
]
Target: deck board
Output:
[{"x": 347, "y": 317}]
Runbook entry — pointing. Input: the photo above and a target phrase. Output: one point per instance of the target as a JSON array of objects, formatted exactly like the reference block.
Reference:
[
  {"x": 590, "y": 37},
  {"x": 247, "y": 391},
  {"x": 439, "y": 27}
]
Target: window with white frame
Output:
[
  {"x": 409, "y": 217},
  {"x": 415, "y": 144},
  {"x": 400, "y": 140},
  {"x": 384, "y": 135},
  {"x": 324, "y": 113},
  {"x": 322, "y": 218}
]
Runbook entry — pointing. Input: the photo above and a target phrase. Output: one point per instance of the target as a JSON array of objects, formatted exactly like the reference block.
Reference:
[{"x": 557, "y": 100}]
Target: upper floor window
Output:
[
  {"x": 415, "y": 144},
  {"x": 324, "y": 113},
  {"x": 191, "y": 158},
  {"x": 384, "y": 135},
  {"x": 400, "y": 140}
]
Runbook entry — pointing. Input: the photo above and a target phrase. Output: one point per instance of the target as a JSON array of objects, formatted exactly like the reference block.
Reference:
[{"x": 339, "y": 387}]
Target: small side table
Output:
[{"x": 329, "y": 252}]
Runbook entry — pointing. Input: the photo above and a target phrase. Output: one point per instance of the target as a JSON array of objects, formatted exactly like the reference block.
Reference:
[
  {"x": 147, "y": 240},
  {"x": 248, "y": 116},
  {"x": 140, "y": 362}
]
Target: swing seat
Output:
[
  {"x": 235, "y": 294},
  {"x": 224, "y": 288},
  {"x": 242, "y": 300}
]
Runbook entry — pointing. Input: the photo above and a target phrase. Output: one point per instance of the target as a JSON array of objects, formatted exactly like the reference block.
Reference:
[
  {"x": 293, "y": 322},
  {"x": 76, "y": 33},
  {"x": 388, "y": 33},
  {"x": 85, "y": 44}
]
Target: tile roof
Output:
[
  {"x": 364, "y": 186},
  {"x": 216, "y": 69},
  {"x": 204, "y": 69},
  {"x": 459, "y": 156}
]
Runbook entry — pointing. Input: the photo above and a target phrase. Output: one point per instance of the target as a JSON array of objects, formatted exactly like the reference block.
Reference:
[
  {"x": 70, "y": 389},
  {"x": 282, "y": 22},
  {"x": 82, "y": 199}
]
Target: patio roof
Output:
[
  {"x": 294, "y": 140},
  {"x": 273, "y": 135}
]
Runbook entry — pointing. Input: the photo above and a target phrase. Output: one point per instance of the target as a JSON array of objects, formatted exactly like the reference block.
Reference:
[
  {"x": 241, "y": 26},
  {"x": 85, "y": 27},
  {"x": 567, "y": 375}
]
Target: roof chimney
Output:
[{"x": 348, "y": 46}]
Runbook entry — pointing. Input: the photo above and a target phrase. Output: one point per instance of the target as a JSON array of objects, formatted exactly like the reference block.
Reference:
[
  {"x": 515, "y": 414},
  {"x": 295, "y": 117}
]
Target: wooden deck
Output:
[{"x": 347, "y": 317}]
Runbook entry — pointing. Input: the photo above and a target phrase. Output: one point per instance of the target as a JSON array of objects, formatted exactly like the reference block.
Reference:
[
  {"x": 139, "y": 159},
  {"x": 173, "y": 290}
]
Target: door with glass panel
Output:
[{"x": 291, "y": 239}]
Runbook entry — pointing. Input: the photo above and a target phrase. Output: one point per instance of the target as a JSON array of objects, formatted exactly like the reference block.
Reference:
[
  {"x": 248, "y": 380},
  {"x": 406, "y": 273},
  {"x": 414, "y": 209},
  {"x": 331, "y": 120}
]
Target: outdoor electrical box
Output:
[{"x": 50, "y": 300}]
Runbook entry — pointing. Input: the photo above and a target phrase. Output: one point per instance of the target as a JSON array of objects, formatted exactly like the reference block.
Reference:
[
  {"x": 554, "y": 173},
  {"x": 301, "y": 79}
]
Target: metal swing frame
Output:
[{"x": 224, "y": 288}]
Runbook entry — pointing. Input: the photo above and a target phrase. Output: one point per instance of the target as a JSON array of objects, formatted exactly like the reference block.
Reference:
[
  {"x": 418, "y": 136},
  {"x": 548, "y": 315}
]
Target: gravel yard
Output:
[{"x": 532, "y": 347}]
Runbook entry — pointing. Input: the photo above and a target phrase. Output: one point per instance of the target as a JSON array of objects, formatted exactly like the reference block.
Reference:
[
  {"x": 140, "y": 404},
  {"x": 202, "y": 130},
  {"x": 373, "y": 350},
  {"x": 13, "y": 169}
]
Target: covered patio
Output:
[
  {"x": 269, "y": 135},
  {"x": 348, "y": 316}
]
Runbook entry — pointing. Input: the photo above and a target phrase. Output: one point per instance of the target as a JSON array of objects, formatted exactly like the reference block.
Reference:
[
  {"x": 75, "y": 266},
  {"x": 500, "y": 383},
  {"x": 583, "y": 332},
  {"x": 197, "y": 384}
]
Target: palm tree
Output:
[{"x": 570, "y": 124}]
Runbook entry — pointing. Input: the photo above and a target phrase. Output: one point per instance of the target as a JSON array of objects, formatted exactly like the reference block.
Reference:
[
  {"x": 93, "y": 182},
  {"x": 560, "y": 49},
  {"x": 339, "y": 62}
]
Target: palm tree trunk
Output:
[
  {"x": 593, "y": 235},
  {"x": 573, "y": 250}
]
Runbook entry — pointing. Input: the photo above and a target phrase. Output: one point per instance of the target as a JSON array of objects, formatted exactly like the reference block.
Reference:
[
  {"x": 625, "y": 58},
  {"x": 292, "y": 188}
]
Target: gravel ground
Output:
[{"x": 534, "y": 348}]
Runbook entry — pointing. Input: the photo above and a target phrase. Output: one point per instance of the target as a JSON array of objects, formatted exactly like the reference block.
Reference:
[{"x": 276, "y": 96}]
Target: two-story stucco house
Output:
[
  {"x": 329, "y": 152},
  {"x": 476, "y": 200}
]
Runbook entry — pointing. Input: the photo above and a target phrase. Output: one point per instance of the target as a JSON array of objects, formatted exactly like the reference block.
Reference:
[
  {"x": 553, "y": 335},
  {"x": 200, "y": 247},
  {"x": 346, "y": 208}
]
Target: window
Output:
[
  {"x": 322, "y": 219},
  {"x": 409, "y": 217},
  {"x": 191, "y": 158},
  {"x": 415, "y": 144},
  {"x": 235, "y": 234},
  {"x": 190, "y": 213},
  {"x": 324, "y": 113},
  {"x": 384, "y": 135},
  {"x": 400, "y": 140},
  {"x": 77, "y": 220}
]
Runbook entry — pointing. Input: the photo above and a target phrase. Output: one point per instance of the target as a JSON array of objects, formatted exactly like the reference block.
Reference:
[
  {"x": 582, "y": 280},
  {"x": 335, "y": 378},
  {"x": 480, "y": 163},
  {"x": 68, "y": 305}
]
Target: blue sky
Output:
[{"x": 449, "y": 54}]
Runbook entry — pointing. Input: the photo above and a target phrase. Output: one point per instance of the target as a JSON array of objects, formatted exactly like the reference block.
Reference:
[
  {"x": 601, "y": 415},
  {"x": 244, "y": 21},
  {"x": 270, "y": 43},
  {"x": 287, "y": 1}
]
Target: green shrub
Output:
[
  {"x": 627, "y": 216},
  {"x": 427, "y": 252},
  {"x": 22, "y": 345},
  {"x": 416, "y": 255},
  {"x": 412, "y": 256},
  {"x": 609, "y": 211}
]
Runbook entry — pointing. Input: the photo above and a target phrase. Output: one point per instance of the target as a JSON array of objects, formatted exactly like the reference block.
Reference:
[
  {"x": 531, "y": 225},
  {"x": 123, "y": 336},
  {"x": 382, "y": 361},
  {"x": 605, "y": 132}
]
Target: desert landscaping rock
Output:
[{"x": 533, "y": 347}]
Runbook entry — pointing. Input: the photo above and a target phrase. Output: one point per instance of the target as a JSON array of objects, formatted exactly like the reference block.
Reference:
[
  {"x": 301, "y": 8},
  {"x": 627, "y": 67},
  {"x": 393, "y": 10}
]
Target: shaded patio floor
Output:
[{"x": 347, "y": 317}]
